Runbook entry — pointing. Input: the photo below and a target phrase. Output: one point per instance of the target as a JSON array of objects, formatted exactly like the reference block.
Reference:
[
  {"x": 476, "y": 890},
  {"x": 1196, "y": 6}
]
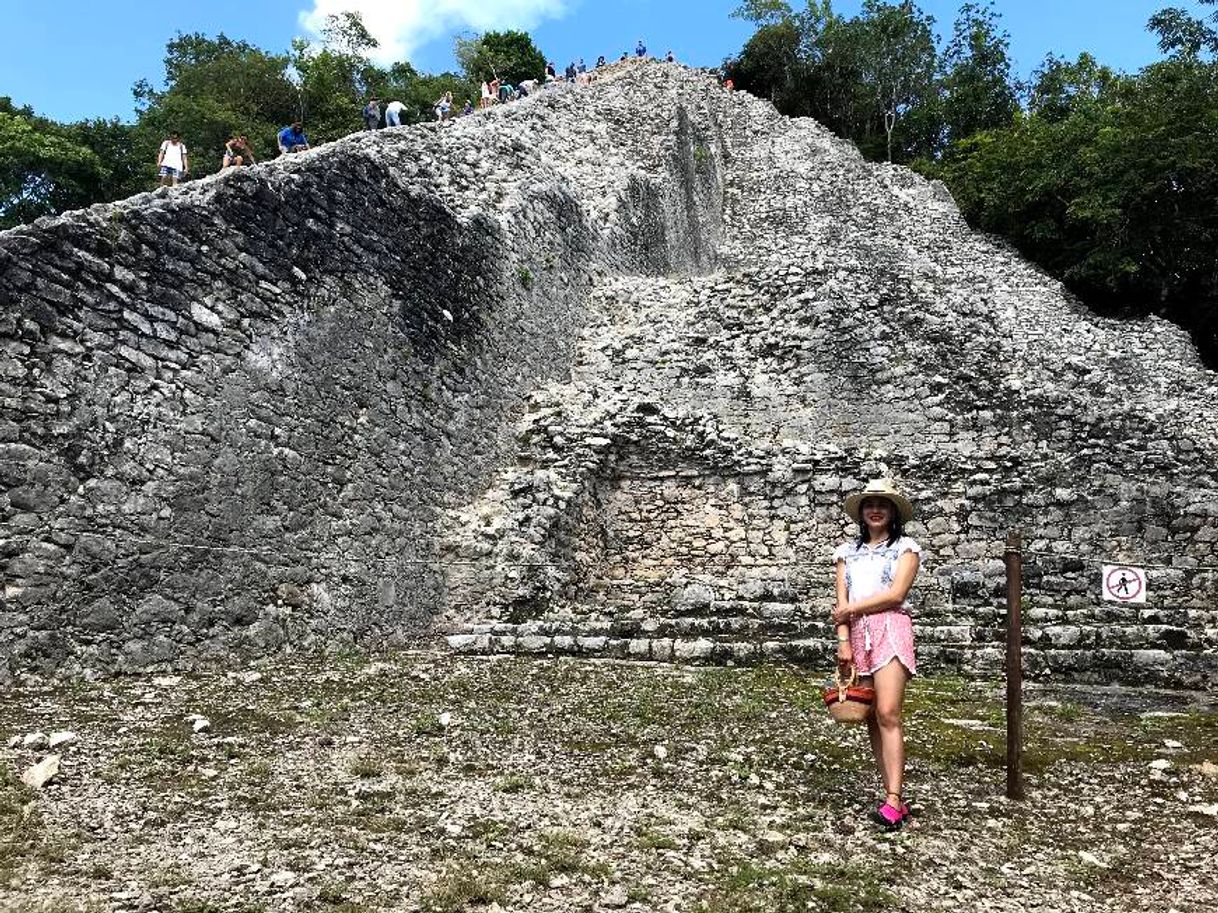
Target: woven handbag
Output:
[{"x": 847, "y": 700}]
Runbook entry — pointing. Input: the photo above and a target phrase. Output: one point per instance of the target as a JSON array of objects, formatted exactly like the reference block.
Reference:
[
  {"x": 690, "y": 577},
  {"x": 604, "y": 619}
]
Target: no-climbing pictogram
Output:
[{"x": 1122, "y": 583}]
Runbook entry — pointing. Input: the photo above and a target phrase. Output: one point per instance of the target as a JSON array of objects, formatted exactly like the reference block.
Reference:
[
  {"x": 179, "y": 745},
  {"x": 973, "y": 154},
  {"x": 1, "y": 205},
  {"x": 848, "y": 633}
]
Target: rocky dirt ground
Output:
[{"x": 424, "y": 781}]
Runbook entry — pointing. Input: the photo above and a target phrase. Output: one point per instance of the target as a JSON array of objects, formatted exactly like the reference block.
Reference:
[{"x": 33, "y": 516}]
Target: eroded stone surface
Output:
[{"x": 590, "y": 374}]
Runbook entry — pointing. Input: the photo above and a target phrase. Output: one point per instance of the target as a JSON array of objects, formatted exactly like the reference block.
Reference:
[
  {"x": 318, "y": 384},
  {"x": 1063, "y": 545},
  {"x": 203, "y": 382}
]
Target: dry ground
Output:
[{"x": 425, "y": 781}]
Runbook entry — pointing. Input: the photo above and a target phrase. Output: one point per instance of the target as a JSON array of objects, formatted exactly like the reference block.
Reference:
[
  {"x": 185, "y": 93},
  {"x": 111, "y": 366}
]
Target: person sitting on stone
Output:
[
  {"x": 600, "y": 61},
  {"x": 495, "y": 84},
  {"x": 640, "y": 49},
  {"x": 292, "y": 139},
  {"x": 670, "y": 57},
  {"x": 469, "y": 107},
  {"x": 237, "y": 152}
]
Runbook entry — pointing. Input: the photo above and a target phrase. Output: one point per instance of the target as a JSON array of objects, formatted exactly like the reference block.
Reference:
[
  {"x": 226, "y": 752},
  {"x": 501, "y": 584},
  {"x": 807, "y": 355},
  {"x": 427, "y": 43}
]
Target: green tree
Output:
[
  {"x": 511, "y": 56},
  {"x": 899, "y": 60},
  {"x": 1060, "y": 87},
  {"x": 979, "y": 92},
  {"x": 215, "y": 88},
  {"x": 336, "y": 78},
  {"x": 1115, "y": 195},
  {"x": 764, "y": 13},
  {"x": 871, "y": 78},
  {"x": 768, "y": 66},
  {"x": 1183, "y": 35},
  {"x": 42, "y": 171}
]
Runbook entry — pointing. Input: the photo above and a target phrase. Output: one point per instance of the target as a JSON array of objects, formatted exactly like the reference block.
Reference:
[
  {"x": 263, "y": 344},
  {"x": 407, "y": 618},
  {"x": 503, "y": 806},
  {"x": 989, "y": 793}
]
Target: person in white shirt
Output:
[
  {"x": 393, "y": 114},
  {"x": 172, "y": 161},
  {"x": 875, "y": 572}
]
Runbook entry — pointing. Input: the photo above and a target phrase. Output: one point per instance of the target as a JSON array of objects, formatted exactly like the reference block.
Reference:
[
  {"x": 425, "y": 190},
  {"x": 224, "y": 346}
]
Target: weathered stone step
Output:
[{"x": 1134, "y": 665}]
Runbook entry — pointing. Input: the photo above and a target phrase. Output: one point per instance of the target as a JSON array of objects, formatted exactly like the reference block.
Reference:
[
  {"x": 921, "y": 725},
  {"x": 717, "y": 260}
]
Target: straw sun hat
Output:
[{"x": 880, "y": 488}]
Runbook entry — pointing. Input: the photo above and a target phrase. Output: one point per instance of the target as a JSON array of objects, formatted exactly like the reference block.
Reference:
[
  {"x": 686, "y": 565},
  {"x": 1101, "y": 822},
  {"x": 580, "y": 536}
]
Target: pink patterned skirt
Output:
[{"x": 877, "y": 639}]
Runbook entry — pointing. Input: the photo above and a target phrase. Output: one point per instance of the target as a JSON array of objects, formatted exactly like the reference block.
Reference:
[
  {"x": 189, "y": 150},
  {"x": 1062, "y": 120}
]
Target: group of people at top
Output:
[
  {"x": 173, "y": 159},
  {"x": 497, "y": 91}
]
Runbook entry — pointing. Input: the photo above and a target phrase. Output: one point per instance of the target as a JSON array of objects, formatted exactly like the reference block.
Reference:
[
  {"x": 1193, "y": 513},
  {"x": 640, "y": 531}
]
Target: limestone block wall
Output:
[
  {"x": 680, "y": 495},
  {"x": 233, "y": 411},
  {"x": 589, "y": 373}
]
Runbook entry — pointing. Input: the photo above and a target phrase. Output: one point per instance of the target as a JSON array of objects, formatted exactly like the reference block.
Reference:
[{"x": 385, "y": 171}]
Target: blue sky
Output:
[{"x": 72, "y": 59}]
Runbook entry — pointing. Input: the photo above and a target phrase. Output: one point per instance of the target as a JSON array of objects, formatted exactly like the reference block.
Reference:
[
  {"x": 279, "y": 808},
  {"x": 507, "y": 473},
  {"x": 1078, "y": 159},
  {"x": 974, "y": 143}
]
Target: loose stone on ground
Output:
[{"x": 431, "y": 782}]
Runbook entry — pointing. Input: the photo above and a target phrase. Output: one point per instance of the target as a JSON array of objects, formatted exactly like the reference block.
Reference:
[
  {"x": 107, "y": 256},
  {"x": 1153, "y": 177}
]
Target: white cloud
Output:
[{"x": 402, "y": 26}]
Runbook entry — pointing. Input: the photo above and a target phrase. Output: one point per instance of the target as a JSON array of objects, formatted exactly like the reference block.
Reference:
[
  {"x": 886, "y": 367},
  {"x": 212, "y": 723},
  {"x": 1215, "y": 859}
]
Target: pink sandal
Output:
[{"x": 891, "y": 817}]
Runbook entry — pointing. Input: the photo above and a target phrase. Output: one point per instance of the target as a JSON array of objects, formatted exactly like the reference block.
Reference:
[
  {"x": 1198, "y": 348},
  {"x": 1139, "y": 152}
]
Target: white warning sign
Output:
[{"x": 1123, "y": 583}]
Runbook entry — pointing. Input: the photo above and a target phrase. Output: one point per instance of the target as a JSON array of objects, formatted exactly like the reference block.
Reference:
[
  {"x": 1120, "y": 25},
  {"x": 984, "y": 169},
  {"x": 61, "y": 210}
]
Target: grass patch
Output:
[
  {"x": 365, "y": 767},
  {"x": 751, "y": 888},
  {"x": 654, "y": 840},
  {"x": 513, "y": 784},
  {"x": 23, "y": 836},
  {"x": 426, "y": 725},
  {"x": 460, "y": 890}
]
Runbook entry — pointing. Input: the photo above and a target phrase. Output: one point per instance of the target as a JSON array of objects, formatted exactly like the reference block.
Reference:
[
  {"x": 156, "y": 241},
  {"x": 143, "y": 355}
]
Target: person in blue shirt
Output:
[
  {"x": 640, "y": 49},
  {"x": 293, "y": 139}
]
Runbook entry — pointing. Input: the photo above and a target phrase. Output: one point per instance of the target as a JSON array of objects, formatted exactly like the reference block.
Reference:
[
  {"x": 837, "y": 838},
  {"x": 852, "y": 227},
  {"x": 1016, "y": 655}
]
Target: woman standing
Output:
[{"x": 874, "y": 629}]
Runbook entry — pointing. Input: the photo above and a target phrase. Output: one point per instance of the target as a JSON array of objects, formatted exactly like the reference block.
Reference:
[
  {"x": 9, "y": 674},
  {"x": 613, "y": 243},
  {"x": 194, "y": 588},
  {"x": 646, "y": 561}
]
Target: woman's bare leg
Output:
[
  {"x": 873, "y": 736},
  {"x": 889, "y": 701}
]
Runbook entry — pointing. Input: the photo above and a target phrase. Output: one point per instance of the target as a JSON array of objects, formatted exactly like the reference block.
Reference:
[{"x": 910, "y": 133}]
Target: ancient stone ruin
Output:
[{"x": 590, "y": 373}]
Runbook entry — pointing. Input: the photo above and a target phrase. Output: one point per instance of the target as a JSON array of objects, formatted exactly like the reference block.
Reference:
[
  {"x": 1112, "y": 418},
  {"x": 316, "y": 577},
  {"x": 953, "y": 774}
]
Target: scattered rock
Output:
[
  {"x": 660, "y": 752},
  {"x": 35, "y": 741},
  {"x": 34, "y": 777},
  {"x": 968, "y": 724},
  {"x": 615, "y": 897},
  {"x": 1207, "y": 769},
  {"x": 58, "y": 739},
  {"x": 773, "y": 842}
]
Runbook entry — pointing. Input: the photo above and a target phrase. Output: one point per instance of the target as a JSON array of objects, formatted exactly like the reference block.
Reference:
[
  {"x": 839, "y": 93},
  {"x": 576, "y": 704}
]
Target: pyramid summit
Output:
[{"x": 591, "y": 373}]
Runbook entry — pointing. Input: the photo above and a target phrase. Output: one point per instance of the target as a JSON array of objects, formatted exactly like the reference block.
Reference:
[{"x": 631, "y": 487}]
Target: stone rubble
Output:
[{"x": 331, "y": 787}]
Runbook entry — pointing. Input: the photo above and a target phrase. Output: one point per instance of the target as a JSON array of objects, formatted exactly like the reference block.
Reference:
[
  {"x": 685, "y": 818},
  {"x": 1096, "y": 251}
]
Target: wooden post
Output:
[{"x": 1014, "y": 565}]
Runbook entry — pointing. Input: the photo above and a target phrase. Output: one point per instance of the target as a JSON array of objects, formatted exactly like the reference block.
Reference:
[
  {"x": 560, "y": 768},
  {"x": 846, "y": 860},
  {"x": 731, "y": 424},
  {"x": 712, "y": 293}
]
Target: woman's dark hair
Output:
[{"x": 896, "y": 526}]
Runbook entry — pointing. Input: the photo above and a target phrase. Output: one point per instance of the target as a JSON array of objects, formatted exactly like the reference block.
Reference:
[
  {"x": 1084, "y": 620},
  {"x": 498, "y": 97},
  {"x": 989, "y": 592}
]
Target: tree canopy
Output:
[{"x": 510, "y": 56}]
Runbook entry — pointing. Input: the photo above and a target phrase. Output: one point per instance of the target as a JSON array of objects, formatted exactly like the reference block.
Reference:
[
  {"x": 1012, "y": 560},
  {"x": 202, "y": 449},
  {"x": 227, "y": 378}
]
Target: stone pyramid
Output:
[{"x": 589, "y": 373}]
